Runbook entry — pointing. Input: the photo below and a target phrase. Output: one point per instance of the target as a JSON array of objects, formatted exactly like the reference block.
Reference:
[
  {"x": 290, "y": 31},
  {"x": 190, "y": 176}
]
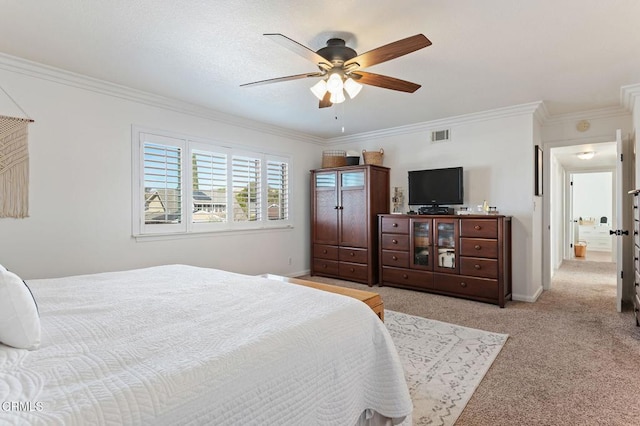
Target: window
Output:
[{"x": 183, "y": 185}]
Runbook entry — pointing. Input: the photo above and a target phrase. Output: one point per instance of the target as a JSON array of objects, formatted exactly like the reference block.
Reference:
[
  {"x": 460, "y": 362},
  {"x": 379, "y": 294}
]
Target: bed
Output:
[{"x": 179, "y": 344}]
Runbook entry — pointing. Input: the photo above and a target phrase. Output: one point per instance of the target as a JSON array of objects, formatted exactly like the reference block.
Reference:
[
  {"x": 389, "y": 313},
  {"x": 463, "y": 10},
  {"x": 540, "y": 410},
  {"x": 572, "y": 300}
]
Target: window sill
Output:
[{"x": 203, "y": 234}]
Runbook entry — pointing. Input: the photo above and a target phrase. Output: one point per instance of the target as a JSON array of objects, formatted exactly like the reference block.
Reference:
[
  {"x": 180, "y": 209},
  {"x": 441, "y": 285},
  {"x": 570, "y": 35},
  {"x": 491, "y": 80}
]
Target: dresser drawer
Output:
[
  {"x": 407, "y": 278},
  {"x": 398, "y": 259},
  {"x": 353, "y": 255},
  {"x": 479, "y": 228},
  {"x": 323, "y": 266},
  {"x": 322, "y": 251},
  {"x": 478, "y": 247},
  {"x": 467, "y": 286},
  {"x": 353, "y": 271},
  {"x": 599, "y": 243},
  {"x": 395, "y": 242},
  {"x": 478, "y": 267},
  {"x": 395, "y": 225}
]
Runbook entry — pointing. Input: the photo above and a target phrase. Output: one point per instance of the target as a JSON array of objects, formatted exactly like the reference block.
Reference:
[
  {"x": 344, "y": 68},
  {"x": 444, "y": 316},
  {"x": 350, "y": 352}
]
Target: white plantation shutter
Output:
[
  {"x": 193, "y": 186},
  {"x": 247, "y": 197},
  {"x": 162, "y": 181},
  {"x": 277, "y": 190},
  {"x": 209, "y": 186}
]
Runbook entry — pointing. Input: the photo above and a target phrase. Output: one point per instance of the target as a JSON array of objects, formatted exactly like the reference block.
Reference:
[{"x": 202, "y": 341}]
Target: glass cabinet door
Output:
[
  {"x": 421, "y": 244},
  {"x": 446, "y": 245}
]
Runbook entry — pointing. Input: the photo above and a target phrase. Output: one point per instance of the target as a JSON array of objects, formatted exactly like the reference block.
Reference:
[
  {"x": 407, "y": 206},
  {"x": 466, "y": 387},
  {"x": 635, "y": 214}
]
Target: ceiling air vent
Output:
[{"x": 440, "y": 135}]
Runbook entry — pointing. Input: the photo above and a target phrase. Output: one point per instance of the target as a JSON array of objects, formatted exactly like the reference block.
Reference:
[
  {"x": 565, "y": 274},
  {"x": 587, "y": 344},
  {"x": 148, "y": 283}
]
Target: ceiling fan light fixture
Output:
[
  {"x": 337, "y": 98},
  {"x": 319, "y": 89},
  {"x": 588, "y": 155},
  {"x": 352, "y": 87},
  {"x": 335, "y": 84}
]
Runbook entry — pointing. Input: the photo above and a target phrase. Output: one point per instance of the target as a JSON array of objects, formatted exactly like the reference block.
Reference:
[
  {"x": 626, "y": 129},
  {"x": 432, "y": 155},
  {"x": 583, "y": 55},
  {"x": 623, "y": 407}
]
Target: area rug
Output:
[{"x": 443, "y": 363}]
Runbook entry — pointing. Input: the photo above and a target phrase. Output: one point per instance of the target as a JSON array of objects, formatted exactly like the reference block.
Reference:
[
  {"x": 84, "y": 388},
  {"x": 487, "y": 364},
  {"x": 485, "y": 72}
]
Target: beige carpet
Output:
[{"x": 570, "y": 358}]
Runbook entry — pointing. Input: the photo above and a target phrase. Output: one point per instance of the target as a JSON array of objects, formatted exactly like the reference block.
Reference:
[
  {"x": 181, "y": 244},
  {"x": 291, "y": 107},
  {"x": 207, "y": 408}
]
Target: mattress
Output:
[{"x": 179, "y": 344}]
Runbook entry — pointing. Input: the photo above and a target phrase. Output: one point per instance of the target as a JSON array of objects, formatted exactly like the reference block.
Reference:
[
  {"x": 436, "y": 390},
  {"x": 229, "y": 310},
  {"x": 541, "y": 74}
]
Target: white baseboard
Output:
[{"x": 527, "y": 298}]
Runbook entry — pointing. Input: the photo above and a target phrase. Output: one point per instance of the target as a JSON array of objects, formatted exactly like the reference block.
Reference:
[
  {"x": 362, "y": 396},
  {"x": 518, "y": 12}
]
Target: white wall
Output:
[
  {"x": 592, "y": 195},
  {"x": 496, "y": 153},
  {"x": 80, "y": 189}
]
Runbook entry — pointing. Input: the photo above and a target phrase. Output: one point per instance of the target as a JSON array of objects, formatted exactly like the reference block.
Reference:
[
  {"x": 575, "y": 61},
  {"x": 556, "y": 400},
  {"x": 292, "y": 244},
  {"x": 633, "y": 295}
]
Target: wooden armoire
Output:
[{"x": 345, "y": 202}]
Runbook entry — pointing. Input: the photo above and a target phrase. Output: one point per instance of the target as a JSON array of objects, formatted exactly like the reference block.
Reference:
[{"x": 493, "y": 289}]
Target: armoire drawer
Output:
[
  {"x": 323, "y": 266},
  {"x": 354, "y": 255},
  {"x": 353, "y": 271},
  {"x": 322, "y": 251}
]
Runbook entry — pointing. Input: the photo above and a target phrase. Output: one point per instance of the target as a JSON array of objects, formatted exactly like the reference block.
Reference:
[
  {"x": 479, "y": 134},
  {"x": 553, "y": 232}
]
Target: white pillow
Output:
[{"x": 19, "y": 319}]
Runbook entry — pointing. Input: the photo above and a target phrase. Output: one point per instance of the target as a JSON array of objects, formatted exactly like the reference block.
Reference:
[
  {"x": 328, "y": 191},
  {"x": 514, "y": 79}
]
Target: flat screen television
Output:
[{"x": 436, "y": 187}]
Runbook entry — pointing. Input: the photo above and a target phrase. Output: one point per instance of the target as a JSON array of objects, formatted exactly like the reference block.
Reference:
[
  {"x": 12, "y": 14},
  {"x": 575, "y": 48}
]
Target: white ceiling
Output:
[
  {"x": 573, "y": 54},
  {"x": 605, "y": 156}
]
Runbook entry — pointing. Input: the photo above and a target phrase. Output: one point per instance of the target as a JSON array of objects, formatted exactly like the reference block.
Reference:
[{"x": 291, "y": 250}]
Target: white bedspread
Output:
[{"x": 185, "y": 345}]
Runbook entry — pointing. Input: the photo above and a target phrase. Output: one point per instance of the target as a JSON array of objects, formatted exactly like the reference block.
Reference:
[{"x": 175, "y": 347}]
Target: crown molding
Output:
[
  {"x": 44, "y": 72},
  {"x": 593, "y": 114},
  {"x": 427, "y": 126},
  {"x": 628, "y": 95}
]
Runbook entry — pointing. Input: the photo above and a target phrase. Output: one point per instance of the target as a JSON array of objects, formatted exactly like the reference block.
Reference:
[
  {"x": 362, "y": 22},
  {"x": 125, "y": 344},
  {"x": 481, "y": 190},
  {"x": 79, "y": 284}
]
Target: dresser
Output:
[
  {"x": 463, "y": 256},
  {"x": 596, "y": 236},
  {"x": 636, "y": 255},
  {"x": 345, "y": 202}
]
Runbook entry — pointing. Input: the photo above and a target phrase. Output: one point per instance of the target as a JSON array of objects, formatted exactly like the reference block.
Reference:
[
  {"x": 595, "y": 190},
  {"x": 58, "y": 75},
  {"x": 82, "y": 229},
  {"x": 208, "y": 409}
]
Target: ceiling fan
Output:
[{"x": 341, "y": 67}]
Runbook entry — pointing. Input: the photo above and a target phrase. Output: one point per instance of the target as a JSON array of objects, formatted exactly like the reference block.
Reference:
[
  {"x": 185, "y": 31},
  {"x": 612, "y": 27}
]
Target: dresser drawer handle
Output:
[
  {"x": 463, "y": 284},
  {"x": 324, "y": 251},
  {"x": 394, "y": 241},
  {"x": 477, "y": 247},
  {"x": 324, "y": 266},
  {"x": 405, "y": 276},
  {"x": 394, "y": 257},
  {"x": 477, "y": 266},
  {"x": 352, "y": 254},
  {"x": 477, "y": 227},
  {"x": 395, "y": 225},
  {"x": 351, "y": 270}
]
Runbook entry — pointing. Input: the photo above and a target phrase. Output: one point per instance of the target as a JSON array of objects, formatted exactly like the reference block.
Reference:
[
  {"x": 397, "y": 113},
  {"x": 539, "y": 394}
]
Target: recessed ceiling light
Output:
[{"x": 588, "y": 155}]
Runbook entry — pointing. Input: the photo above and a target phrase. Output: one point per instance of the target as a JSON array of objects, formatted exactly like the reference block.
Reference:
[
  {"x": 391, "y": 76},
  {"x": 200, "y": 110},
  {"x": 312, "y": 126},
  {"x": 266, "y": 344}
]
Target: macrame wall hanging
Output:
[{"x": 14, "y": 164}]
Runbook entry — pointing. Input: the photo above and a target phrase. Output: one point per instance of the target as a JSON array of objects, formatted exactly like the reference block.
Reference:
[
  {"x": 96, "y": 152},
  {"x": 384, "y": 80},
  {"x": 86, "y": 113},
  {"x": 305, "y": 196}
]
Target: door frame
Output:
[{"x": 547, "y": 261}]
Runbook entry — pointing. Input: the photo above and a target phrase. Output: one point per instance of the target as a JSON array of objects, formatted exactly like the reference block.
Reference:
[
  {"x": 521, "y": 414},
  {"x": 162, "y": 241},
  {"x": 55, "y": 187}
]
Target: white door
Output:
[{"x": 620, "y": 190}]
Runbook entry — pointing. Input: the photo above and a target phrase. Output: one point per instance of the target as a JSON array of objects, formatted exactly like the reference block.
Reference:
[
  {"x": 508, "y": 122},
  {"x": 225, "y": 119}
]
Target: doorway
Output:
[
  {"x": 566, "y": 163},
  {"x": 591, "y": 207}
]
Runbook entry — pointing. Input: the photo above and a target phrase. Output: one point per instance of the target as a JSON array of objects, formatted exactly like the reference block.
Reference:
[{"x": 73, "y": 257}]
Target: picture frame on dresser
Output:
[{"x": 538, "y": 159}]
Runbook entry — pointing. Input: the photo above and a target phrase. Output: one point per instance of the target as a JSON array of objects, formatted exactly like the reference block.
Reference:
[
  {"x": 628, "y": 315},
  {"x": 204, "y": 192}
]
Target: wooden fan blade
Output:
[
  {"x": 388, "y": 52},
  {"x": 325, "y": 102},
  {"x": 384, "y": 81},
  {"x": 301, "y": 50},
  {"x": 279, "y": 79}
]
